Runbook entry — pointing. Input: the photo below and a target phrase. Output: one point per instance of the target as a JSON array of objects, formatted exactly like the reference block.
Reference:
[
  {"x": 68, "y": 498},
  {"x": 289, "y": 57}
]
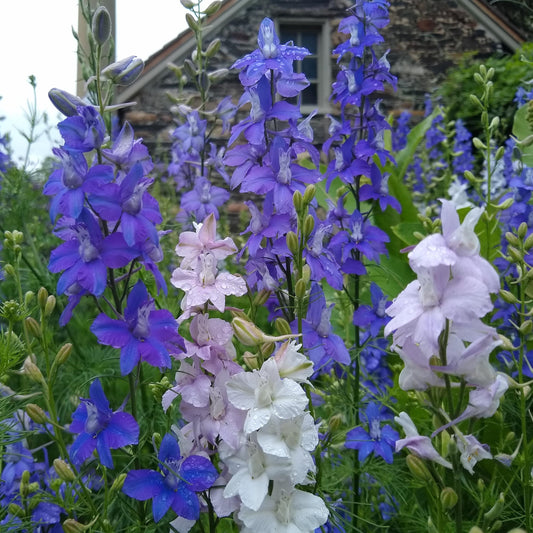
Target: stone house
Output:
[{"x": 425, "y": 38}]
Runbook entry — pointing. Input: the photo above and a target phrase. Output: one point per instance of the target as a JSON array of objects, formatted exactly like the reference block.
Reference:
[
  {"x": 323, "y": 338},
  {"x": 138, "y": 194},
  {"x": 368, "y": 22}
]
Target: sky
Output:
[{"x": 36, "y": 39}]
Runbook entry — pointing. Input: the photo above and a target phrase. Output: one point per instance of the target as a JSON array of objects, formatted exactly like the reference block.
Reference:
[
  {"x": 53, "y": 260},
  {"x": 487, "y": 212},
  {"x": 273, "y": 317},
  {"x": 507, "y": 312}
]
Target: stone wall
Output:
[{"x": 425, "y": 38}]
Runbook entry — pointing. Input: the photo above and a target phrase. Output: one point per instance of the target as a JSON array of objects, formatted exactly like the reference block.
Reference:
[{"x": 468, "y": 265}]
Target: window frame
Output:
[{"x": 323, "y": 60}]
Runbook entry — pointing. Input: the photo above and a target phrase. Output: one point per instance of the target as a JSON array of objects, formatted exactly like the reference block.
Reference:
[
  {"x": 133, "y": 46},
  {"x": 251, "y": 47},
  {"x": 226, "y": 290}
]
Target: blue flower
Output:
[
  {"x": 323, "y": 347},
  {"x": 145, "y": 334},
  {"x": 83, "y": 132},
  {"x": 86, "y": 255},
  {"x": 378, "y": 440},
  {"x": 204, "y": 199},
  {"x": 100, "y": 428},
  {"x": 175, "y": 485}
]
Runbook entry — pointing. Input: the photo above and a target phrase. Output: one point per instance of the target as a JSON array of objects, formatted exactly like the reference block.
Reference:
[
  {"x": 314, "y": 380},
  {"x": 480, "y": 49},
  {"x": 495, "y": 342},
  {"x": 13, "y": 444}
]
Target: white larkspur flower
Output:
[
  {"x": 472, "y": 451},
  {"x": 292, "y": 363},
  {"x": 287, "y": 510},
  {"x": 265, "y": 395}
]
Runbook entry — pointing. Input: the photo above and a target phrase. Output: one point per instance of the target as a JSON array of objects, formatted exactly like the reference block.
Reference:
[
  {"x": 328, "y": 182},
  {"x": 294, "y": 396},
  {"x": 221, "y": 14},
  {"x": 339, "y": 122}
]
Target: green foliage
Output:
[{"x": 510, "y": 73}]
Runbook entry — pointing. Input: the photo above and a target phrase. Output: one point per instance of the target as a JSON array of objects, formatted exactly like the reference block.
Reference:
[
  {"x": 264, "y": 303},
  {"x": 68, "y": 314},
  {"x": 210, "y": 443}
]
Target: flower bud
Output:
[
  {"x": 495, "y": 511},
  {"x": 506, "y": 343},
  {"x": 418, "y": 468},
  {"x": 218, "y": 74},
  {"x": 247, "y": 332},
  {"x": 261, "y": 297},
  {"x": 191, "y": 22},
  {"x": 448, "y": 498},
  {"x": 213, "y": 48},
  {"x": 28, "y": 298},
  {"x": 9, "y": 270},
  {"x": 212, "y": 8},
  {"x": 479, "y": 144},
  {"x": 300, "y": 288},
  {"x": 33, "y": 327},
  {"x": 478, "y": 78},
  {"x": 297, "y": 200},
  {"x": 506, "y": 204},
  {"x": 282, "y": 326},
  {"x": 63, "y": 354},
  {"x": 267, "y": 349},
  {"x": 309, "y": 194},
  {"x": 522, "y": 230},
  {"x": 118, "y": 482},
  {"x": 24, "y": 487},
  {"x": 335, "y": 422},
  {"x": 251, "y": 360},
  {"x": 42, "y": 296},
  {"x": 101, "y": 25},
  {"x": 528, "y": 243},
  {"x": 15, "y": 510},
  {"x": 190, "y": 68},
  {"x": 526, "y": 327},
  {"x": 494, "y": 123},
  {"x": 30, "y": 369},
  {"x": 499, "y": 153},
  {"x": 73, "y": 526},
  {"x": 65, "y": 102},
  {"x": 309, "y": 224},
  {"x": 292, "y": 242},
  {"x": 475, "y": 529},
  {"x": 515, "y": 254},
  {"x": 306, "y": 273},
  {"x": 36, "y": 413},
  {"x": 50, "y": 305},
  {"x": 63, "y": 470},
  {"x": 512, "y": 239},
  {"x": 508, "y": 297},
  {"x": 125, "y": 71},
  {"x": 187, "y": 4}
]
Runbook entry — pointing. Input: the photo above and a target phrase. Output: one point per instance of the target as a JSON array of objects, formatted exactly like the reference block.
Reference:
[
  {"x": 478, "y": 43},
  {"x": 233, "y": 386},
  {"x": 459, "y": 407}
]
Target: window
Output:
[{"x": 316, "y": 66}]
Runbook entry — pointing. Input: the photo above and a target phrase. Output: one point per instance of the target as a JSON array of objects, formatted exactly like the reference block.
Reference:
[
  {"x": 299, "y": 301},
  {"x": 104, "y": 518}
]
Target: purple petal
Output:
[
  {"x": 82, "y": 448},
  {"x": 122, "y": 430},
  {"x": 129, "y": 356},
  {"x": 186, "y": 503},
  {"x": 143, "y": 484},
  {"x": 104, "y": 452},
  {"x": 198, "y": 472},
  {"x": 162, "y": 502},
  {"x": 96, "y": 393},
  {"x": 111, "y": 332},
  {"x": 169, "y": 448}
]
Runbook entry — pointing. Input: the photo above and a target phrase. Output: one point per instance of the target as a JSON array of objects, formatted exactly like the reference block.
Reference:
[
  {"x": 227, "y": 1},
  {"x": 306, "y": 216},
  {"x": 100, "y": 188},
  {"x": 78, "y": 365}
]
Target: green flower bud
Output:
[
  {"x": 219, "y": 74},
  {"x": 36, "y": 413},
  {"x": 125, "y": 71},
  {"x": 508, "y": 297},
  {"x": 28, "y": 298},
  {"x": 512, "y": 239},
  {"x": 190, "y": 68},
  {"x": 15, "y": 510},
  {"x": 292, "y": 242},
  {"x": 30, "y": 369},
  {"x": 187, "y": 4},
  {"x": 191, "y": 22},
  {"x": 505, "y": 204},
  {"x": 251, "y": 360},
  {"x": 63, "y": 470},
  {"x": 479, "y": 144},
  {"x": 300, "y": 288},
  {"x": 526, "y": 327},
  {"x": 515, "y": 254},
  {"x": 213, "y": 48},
  {"x": 309, "y": 194},
  {"x": 24, "y": 487},
  {"x": 309, "y": 224},
  {"x": 335, "y": 422},
  {"x": 73, "y": 526},
  {"x": 33, "y": 327},
  {"x": 9, "y": 270},
  {"x": 63, "y": 354},
  {"x": 448, "y": 498},
  {"x": 496, "y": 510},
  {"x": 118, "y": 482},
  {"x": 297, "y": 200},
  {"x": 475, "y": 529},
  {"x": 266, "y": 349},
  {"x": 261, "y": 297},
  {"x": 18, "y": 237},
  {"x": 65, "y": 102},
  {"x": 494, "y": 123},
  {"x": 528, "y": 243},
  {"x": 212, "y": 8},
  {"x": 499, "y": 153},
  {"x": 282, "y": 326},
  {"x": 418, "y": 468},
  {"x": 306, "y": 273},
  {"x": 101, "y": 25},
  {"x": 478, "y": 78},
  {"x": 50, "y": 305},
  {"x": 522, "y": 230},
  {"x": 42, "y": 296}
]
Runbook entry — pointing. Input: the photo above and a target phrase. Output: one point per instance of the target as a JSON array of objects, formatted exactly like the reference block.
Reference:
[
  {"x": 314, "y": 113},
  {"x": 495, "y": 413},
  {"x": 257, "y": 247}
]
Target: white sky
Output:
[{"x": 36, "y": 38}]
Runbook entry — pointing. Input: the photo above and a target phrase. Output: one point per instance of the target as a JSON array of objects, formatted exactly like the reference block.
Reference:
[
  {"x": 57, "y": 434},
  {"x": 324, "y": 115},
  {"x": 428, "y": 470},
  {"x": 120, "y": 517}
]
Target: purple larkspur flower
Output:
[
  {"x": 275, "y": 57},
  {"x": 145, "y": 334},
  {"x": 373, "y": 316},
  {"x": 69, "y": 183},
  {"x": 204, "y": 199},
  {"x": 100, "y": 428},
  {"x": 176, "y": 485},
  {"x": 129, "y": 202},
  {"x": 83, "y": 132},
  {"x": 378, "y": 190},
  {"x": 379, "y": 440},
  {"x": 87, "y": 254},
  {"x": 323, "y": 346}
]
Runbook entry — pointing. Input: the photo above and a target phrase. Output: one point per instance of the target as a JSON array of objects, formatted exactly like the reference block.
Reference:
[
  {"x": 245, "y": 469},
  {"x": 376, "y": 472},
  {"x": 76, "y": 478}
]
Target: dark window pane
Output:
[
  {"x": 309, "y": 67},
  {"x": 310, "y": 40},
  {"x": 288, "y": 33},
  {"x": 310, "y": 95}
]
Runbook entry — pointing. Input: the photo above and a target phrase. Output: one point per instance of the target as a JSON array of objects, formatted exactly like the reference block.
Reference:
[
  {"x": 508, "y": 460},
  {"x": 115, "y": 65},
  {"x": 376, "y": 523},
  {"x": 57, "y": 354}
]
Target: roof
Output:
[{"x": 182, "y": 46}]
